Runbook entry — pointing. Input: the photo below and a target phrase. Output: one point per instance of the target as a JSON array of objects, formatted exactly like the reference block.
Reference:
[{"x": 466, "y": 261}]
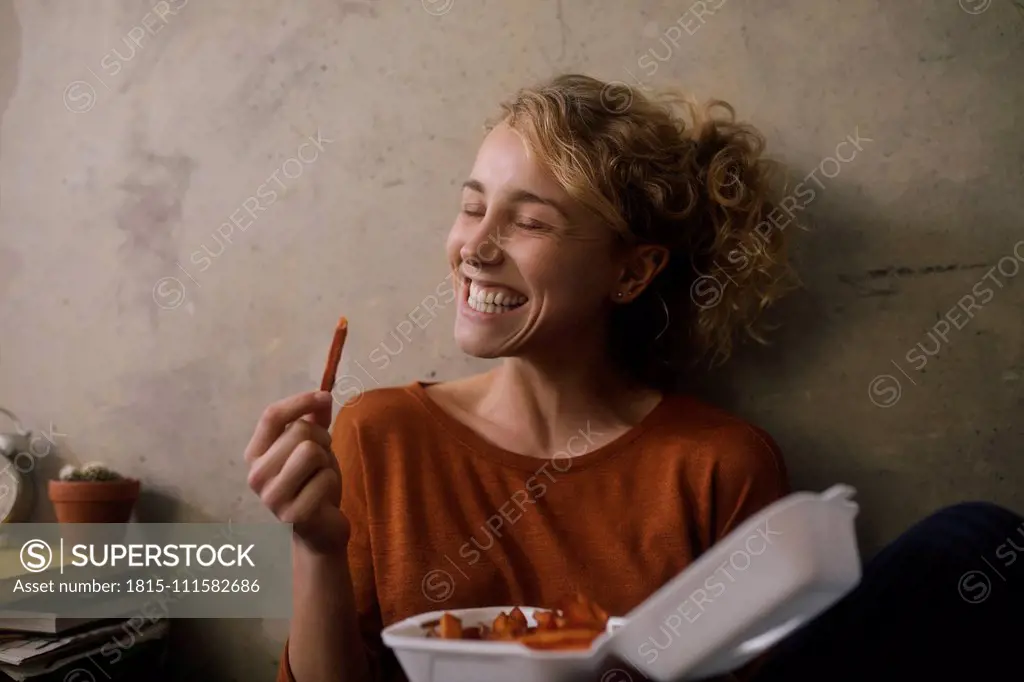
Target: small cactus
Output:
[{"x": 93, "y": 471}]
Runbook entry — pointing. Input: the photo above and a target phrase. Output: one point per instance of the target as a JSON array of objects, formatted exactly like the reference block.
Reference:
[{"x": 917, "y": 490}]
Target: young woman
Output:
[{"x": 606, "y": 244}]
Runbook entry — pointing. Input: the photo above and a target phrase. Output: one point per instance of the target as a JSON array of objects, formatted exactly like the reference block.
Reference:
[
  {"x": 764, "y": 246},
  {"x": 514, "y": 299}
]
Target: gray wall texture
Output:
[{"x": 191, "y": 192}]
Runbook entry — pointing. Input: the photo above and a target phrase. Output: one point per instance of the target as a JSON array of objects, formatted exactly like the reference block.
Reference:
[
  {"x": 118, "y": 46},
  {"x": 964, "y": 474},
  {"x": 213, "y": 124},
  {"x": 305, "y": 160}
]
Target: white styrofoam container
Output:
[
  {"x": 433, "y": 660},
  {"x": 773, "y": 573}
]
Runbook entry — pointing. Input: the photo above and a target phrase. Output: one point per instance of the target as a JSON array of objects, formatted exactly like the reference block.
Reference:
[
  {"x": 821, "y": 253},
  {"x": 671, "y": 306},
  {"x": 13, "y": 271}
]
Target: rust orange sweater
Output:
[{"x": 443, "y": 519}]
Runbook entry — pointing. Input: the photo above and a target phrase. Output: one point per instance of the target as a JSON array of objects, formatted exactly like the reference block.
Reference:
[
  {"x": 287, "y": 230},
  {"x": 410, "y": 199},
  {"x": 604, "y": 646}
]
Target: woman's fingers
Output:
[
  {"x": 321, "y": 416},
  {"x": 305, "y": 462},
  {"x": 270, "y": 463},
  {"x": 279, "y": 415},
  {"x": 293, "y": 470},
  {"x": 323, "y": 487}
]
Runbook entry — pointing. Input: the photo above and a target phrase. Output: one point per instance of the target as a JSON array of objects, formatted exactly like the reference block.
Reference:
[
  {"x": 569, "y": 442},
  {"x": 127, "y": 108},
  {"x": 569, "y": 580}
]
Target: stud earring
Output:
[{"x": 619, "y": 295}]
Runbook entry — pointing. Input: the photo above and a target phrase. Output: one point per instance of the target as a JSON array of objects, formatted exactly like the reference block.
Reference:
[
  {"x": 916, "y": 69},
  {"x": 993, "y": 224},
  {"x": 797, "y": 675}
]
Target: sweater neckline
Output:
[{"x": 563, "y": 462}]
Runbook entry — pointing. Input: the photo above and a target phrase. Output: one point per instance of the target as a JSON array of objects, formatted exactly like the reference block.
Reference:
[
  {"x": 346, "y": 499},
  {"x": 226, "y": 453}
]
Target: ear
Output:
[{"x": 640, "y": 266}]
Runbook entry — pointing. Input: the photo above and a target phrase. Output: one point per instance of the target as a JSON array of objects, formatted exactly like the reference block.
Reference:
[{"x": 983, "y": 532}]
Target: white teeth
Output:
[{"x": 492, "y": 301}]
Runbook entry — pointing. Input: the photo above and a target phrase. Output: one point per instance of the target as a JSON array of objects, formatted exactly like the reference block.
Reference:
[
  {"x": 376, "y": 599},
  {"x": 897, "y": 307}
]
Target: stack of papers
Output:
[{"x": 23, "y": 657}]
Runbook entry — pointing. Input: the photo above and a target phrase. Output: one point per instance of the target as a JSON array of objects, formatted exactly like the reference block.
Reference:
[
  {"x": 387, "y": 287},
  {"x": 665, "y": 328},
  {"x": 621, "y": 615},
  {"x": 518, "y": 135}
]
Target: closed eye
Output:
[{"x": 531, "y": 225}]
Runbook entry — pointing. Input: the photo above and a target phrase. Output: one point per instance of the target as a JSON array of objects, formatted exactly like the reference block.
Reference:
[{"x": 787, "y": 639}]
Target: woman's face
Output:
[{"x": 537, "y": 271}]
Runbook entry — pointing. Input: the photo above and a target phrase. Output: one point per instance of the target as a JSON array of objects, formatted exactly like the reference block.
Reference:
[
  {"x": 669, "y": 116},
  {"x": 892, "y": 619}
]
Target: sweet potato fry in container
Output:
[
  {"x": 545, "y": 620},
  {"x": 561, "y": 640},
  {"x": 450, "y": 627},
  {"x": 518, "y": 619},
  {"x": 583, "y": 613},
  {"x": 572, "y": 627}
]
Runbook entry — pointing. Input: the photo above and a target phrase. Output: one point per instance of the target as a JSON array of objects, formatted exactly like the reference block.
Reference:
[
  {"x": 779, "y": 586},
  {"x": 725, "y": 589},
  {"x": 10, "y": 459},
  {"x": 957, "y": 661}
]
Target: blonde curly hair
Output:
[{"x": 666, "y": 170}]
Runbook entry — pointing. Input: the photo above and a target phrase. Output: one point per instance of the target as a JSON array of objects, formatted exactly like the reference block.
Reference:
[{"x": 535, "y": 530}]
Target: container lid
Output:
[{"x": 815, "y": 562}]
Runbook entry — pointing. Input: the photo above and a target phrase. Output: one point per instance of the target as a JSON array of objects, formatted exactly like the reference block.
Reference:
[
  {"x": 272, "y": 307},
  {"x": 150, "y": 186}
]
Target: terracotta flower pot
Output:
[{"x": 94, "y": 501}]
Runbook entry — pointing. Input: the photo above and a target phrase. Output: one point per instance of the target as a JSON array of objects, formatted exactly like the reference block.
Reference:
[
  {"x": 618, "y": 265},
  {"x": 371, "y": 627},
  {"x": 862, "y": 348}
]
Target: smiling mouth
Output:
[{"x": 493, "y": 300}]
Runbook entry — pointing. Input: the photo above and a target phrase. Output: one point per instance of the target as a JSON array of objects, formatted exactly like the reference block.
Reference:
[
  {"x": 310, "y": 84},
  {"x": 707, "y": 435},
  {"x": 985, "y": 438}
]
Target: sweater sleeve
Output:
[
  {"x": 347, "y": 448},
  {"x": 750, "y": 475}
]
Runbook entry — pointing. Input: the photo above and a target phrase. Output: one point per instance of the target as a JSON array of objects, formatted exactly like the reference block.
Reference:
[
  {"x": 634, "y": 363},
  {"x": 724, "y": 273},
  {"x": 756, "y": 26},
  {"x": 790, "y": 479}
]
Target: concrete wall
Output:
[{"x": 120, "y": 161}]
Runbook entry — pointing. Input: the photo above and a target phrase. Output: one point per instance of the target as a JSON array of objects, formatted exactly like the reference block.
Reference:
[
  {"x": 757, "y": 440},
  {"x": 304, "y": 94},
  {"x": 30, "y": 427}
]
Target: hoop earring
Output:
[{"x": 668, "y": 318}]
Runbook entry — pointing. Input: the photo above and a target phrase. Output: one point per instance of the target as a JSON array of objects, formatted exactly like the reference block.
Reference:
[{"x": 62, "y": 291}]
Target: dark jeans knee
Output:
[
  {"x": 956, "y": 537},
  {"x": 978, "y": 509},
  {"x": 979, "y": 518}
]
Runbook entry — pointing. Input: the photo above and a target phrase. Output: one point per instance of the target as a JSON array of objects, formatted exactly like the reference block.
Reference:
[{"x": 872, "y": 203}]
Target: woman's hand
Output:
[{"x": 294, "y": 472}]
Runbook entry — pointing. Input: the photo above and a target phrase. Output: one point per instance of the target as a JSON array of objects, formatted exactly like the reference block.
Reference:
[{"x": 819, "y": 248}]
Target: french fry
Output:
[
  {"x": 517, "y": 617},
  {"x": 572, "y": 627},
  {"x": 451, "y": 627},
  {"x": 334, "y": 355},
  {"x": 568, "y": 639},
  {"x": 545, "y": 620},
  {"x": 502, "y": 627},
  {"x": 580, "y": 612}
]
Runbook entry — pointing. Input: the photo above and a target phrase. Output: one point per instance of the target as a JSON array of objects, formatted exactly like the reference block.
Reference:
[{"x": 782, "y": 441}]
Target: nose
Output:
[{"x": 482, "y": 248}]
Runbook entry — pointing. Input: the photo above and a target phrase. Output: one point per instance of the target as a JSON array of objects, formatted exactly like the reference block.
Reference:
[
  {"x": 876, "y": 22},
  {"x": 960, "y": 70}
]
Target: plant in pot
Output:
[{"x": 93, "y": 493}]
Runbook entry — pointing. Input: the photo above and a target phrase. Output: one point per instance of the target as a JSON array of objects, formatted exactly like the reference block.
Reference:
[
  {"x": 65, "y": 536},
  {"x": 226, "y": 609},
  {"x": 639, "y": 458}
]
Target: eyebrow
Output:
[{"x": 521, "y": 196}]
